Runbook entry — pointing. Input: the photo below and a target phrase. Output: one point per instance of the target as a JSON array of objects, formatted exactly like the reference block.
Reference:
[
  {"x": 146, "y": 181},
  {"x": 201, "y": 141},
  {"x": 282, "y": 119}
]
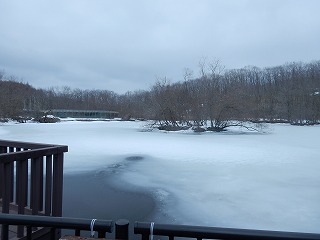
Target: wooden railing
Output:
[
  {"x": 173, "y": 232},
  {"x": 31, "y": 179},
  {"x": 79, "y": 225},
  {"x": 148, "y": 231}
]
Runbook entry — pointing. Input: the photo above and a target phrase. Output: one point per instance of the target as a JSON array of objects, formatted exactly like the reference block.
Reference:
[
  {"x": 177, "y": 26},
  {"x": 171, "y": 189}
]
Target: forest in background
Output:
[{"x": 214, "y": 100}]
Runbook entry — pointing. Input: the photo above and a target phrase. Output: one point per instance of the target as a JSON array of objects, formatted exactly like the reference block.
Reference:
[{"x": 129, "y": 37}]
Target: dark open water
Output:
[{"x": 92, "y": 195}]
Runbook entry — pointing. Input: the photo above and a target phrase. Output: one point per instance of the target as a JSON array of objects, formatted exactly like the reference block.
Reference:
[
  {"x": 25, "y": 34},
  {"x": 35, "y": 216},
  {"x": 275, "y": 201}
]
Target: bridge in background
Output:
[{"x": 65, "y": 113}]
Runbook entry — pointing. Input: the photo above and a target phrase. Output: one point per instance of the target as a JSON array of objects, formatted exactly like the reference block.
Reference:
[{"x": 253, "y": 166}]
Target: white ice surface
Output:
[{"x": 234, "y": 179}]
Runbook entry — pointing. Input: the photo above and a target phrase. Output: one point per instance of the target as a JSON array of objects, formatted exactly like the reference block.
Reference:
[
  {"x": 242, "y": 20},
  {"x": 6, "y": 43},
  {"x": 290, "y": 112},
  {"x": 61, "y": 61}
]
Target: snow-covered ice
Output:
[{"x": 234, "y": 179}]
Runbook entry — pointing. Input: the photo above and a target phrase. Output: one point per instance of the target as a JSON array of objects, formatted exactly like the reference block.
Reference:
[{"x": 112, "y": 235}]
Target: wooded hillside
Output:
[{"x": 288, "y": 93}]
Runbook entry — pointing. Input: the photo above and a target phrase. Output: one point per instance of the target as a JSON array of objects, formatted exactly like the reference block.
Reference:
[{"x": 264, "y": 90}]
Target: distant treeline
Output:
[{"x": 286, "y": 93}]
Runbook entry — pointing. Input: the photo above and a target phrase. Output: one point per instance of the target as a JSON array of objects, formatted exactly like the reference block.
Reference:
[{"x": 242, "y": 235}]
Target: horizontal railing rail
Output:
[
  {"x": 28, "y": 145},
  {"x": 56, "y": 224},
  {"x": 199, "y": 232},
  {"x": 146, "y": 230},
  {"x": 33, "y": 153}
]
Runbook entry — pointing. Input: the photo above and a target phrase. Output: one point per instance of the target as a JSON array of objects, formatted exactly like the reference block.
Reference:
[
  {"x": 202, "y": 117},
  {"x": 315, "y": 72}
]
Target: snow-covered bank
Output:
[{"x": 234, "y": 179}]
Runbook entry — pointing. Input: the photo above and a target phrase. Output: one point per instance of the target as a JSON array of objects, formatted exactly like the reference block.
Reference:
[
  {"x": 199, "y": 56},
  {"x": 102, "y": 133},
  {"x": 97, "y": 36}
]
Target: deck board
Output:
[{"x": 12, "y": 228}]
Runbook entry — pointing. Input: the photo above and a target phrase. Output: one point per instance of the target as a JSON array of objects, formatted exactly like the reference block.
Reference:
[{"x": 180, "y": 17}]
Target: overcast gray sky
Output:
[{"x": 126, "y": 45}]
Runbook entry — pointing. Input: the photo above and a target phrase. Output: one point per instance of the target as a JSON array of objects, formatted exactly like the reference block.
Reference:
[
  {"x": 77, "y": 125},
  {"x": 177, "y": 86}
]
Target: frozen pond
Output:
[{"x": 235, "y": 179}]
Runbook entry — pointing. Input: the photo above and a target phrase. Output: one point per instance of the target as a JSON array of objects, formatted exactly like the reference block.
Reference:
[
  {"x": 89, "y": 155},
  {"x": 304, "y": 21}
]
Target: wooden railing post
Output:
[
  {"x": 24, "y": 183},
  {"x": 1, "y": 178},
  {"x": 122, "y": 229},
  {"x": 40, "y": 179},
  {"x": 6, "y": 188},
  {"x": 36, "y": 187},
  {"x": 57, "y": 190},
  {"x": 57, "y": 185},
  {"x": 48, "y": 188},
  {"x": 18, "y": 179},
  {"x": 22, "y": 191},
  {"x": 2, "y": 150},
  {"x": 11, "y": 176}
]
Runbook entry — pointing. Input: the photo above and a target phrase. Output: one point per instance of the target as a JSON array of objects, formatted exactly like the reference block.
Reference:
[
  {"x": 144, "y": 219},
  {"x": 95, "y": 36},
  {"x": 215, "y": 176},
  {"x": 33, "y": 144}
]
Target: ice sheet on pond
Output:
[{"x": 235, "y": 179}]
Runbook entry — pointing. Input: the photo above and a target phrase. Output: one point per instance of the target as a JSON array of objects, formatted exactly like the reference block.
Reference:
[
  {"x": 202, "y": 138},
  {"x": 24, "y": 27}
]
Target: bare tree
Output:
[{"x": 2, "y": 73}]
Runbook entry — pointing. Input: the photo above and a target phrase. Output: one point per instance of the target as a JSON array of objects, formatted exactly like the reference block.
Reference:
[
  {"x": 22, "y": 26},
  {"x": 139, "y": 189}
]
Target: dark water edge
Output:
[{"x": 93, "y": 195}]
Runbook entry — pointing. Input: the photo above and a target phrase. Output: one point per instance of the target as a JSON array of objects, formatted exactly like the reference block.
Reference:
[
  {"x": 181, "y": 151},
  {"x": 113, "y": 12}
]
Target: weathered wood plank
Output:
[{"x": 78, "y": 238}]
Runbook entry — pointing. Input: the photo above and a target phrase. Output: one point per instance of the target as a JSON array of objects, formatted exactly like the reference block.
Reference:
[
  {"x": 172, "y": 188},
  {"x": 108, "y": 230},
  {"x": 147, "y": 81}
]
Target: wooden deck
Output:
[
  {"x": 79, "y": 238},
  {"x": 12, "y": 229}
]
